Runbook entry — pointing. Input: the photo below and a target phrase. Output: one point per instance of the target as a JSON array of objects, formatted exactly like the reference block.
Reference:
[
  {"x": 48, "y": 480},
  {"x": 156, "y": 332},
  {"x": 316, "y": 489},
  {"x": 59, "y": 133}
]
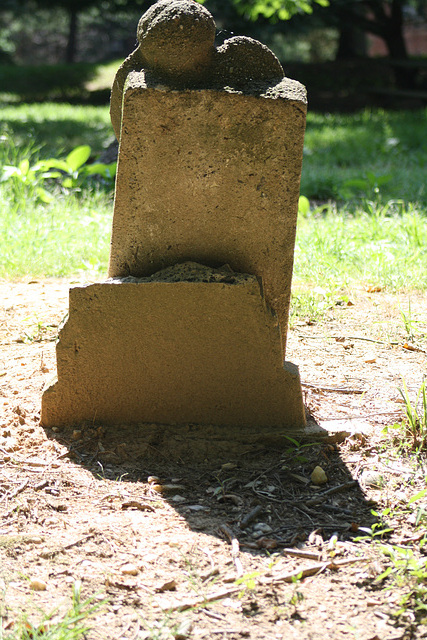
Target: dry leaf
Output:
[
  {"x": 38, "y": 585},
  {"x": 411, "y": 347},
  {"x": 370, "y": 358},
  {"x": 166, "y": 488},
  {"x": 121, "y": 583},
  {"x": 266, "y": 543},
  {"x": 170, "y": 585},
  {"x": 134, "y": 504}
]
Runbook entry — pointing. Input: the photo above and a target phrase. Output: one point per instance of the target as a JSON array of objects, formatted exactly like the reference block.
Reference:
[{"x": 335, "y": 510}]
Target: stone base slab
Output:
[{"x": 204, "y": 350}]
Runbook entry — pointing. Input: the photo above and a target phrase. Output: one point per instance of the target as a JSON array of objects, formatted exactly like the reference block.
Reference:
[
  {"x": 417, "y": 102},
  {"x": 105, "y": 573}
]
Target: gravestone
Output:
[{"x": 190, "y": 328}]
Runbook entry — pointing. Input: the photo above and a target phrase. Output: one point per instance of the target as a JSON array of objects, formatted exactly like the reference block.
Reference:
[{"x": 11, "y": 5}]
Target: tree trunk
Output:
[
  {"x": 396, "y": 45},
  {"x": 70, "y": 52},
  {"x": 385, "y": 20},
  {"x": 351, "y": 43},
  {"x": 393, "y": 32}
]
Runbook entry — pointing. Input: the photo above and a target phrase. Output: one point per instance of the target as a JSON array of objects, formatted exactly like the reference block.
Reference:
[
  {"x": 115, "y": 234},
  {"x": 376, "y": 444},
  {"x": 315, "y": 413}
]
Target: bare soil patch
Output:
[{"x": 164, "y": 543}]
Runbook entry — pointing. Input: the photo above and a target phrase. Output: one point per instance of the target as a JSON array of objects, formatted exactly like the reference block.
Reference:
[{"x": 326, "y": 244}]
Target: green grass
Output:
[
  {"x": 69, "y": 236},
  {"x": 372, "y": 243},
  {"x": 365, "y": 175},
  {"x": 343, "y": 147}
]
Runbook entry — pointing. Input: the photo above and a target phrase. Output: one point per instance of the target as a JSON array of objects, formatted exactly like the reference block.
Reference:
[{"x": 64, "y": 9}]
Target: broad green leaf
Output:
[
  {"x": 419, "y": 495},
  {"x": 24, "y": 165},
  {"x": 107, "y": 171},
  {"x": 112, "y": 167},
  {"x": 78, "y": 157},
  {"x": 9, "y": 172},
  {"x": 68, "y": 183},
  {"x": 384, "y": 575},
  {"x": 383, "y": 179},
  {"x": 52, "y": 163},
  {"x": 303, "y": 205},
  {"x": 44, "y": 195},
  {"x": 51, "y": 174}
]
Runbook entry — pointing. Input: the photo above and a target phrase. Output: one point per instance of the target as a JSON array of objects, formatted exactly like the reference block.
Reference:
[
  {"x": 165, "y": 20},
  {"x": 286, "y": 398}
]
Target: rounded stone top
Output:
[
  {"x": 242, "y": 61},
  {"x": 176, "y": 40}
]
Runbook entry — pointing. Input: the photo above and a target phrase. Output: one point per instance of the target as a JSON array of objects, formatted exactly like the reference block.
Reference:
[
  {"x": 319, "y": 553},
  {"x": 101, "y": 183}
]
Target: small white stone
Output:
[
  {"x": 263, "y": 527},
  {"x": 179, "y": 498}
]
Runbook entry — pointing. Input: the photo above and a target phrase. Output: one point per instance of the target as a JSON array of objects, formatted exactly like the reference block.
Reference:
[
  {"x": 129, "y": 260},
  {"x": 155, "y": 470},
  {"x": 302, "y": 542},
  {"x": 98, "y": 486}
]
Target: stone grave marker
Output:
[{"x": 190, "y": 327}]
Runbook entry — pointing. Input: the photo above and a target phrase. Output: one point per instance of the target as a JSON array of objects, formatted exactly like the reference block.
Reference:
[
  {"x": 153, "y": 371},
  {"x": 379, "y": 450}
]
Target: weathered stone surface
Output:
[
  {"x": 176, "y": 47},
  {"x": 202, "y": 350},
  {"x": 133, "y": 62},
  {"x": 177, "y": 40},
  {"x": 243, "y": 63},
  {"x": 210, "y": 176}
]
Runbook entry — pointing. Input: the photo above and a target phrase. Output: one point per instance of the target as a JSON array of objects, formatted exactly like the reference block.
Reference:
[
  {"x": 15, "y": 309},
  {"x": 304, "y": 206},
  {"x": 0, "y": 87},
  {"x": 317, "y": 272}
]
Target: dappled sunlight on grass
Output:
[
  {"x": 339, "y": 148},
  {"x": 54, "y": 129}
]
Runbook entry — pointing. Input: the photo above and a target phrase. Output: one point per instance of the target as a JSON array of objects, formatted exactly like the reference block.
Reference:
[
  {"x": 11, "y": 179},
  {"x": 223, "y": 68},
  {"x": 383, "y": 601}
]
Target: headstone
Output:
[{"x": 190, "y": 327}]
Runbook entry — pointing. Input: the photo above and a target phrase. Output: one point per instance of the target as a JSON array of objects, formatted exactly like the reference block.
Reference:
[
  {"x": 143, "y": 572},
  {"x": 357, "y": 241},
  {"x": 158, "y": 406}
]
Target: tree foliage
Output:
[
  {"x": 275, "y": 10},
  {"x": 382, "y": 18}
]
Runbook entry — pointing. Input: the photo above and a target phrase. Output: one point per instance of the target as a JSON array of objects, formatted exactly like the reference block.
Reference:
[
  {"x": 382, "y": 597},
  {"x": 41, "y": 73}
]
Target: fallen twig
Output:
[
  {"x": 77, "y": 542},
  {"x": 411, "y": 347},
  {"x": 20, "y": 489},
  {"x": 332, "y": 389},
  {"x": 200, "y": 600},
  {"x": 41, "y": 485},
  {"x": 53, "y": 552},
  {"x": 300, "y": 553},
  {"x": 323, "y": 496},
  {"x": 347, "y": 338},
  {"x": 283, "y": 577},
  {"x": 135, "y": 504},
  {"x": 235, "y": 548},
  {"x": 312, "y": 570},
  {"x": 249, "y": 517}
]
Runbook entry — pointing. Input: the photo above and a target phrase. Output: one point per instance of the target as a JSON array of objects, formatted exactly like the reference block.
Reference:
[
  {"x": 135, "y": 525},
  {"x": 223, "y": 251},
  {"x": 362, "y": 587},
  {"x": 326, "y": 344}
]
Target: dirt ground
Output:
[{"x": 159, "y": 545}]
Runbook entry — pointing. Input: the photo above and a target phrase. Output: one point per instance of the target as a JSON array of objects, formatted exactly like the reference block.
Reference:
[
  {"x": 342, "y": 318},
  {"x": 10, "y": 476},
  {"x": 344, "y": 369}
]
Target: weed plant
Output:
[
  {"x": 71, "y": 626},
  {"x": 415, "y": 425},
  {"x": 55, "y": 219},
  {"x": 70, "y": 235}
]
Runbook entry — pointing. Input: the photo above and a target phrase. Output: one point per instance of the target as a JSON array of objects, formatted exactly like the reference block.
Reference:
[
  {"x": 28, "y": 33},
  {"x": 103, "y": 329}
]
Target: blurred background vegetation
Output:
[{"x": 349, "y": 53}]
